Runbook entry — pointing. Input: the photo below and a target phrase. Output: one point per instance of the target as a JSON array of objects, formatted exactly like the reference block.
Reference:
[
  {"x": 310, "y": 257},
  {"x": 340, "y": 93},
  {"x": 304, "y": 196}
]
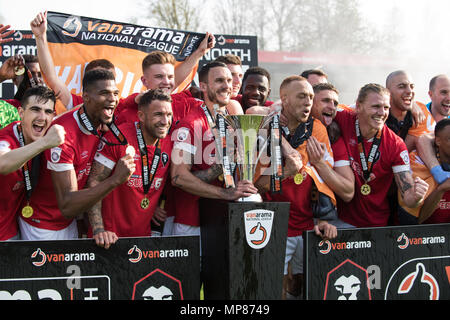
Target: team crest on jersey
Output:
[
  {"x": 100, "y": 146},
  {"x": 258, "y": 227},
  {"x": 405, "y": 156},
  {"x": 5, "y": 146},
  {"x": 55, "y": 154},
  {"x": 182, "y": 134},
  {"x": 164, "y": 158}
]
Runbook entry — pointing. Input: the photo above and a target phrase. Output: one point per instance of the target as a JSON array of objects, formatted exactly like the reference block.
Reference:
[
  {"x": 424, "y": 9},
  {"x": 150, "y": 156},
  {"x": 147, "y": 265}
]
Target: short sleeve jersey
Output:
[
  {"x": 181, "y": 106},
  {"x": 76, "y": 153},
  {"x": 392, "y": 157},
  {"x": 193, "y": 135},
  {"x": 121, "y": 209},
  {"x": 12, "y": 186}
]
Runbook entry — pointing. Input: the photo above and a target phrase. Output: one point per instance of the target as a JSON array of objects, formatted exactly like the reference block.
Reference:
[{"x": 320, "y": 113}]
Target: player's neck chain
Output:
[
  {"x": 367, "y": 163},
  {"x": 84, "y": 118},
  {"x": 29, "y": 179},
  {"x": 148, "y": 170}
]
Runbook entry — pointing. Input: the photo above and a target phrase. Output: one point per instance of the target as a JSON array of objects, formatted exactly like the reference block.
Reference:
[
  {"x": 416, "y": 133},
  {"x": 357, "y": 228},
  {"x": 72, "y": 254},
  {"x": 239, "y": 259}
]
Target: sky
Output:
[{"x": 421, "y": 25}]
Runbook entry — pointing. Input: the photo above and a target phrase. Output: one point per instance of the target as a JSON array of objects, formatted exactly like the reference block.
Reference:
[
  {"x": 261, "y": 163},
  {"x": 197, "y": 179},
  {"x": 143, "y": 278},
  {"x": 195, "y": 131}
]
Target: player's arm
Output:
[
  {"x": 13, "y": 160},
  {"x": 426, "y": 151},
  {"x": 411, "y": 142},
  {"x": 183, "y": 178},
  {"x": 412, "y": 190},
  {"x": 102, "y": 237},
  {"x": 39, "y": 28},
  {"x": 431, "y": 202},
  {"x": 183, "y": 70},
  {"x": 340, "y": 179},
  {"x": 73, "y": 202}
]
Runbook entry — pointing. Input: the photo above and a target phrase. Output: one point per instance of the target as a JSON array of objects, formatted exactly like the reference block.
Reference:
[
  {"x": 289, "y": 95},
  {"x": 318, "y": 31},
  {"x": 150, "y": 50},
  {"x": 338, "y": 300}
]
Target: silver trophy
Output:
[{"x": 247, "y": 132}]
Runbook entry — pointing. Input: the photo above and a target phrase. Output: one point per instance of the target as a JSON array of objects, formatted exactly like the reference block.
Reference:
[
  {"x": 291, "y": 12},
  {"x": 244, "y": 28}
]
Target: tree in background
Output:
[{"x": 174, "y": 14}]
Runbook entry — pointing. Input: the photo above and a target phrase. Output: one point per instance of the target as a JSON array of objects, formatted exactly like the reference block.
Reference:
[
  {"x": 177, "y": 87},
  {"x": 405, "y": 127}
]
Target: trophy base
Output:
[{"x": 253, "y": 198}]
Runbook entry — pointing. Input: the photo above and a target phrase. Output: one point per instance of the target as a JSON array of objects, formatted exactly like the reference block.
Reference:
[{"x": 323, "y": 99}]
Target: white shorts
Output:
[
  {"x": 294, "y": 254},
  {"x": 180, "y": 229},
  {"x": 168, "y": 226},
  {"x": 29, "y": 232}
]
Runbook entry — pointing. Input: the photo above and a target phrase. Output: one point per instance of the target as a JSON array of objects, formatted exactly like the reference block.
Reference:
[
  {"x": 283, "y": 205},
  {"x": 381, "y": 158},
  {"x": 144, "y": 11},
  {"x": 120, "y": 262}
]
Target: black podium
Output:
[{"x": 243, "y": 249}]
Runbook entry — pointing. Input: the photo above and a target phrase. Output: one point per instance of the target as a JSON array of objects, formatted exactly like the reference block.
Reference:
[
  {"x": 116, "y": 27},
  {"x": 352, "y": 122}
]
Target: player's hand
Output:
[
  {"x": 420, "y": 189},
  {"x": 325, "y": 230},
  {"x": 292, "y": 163},
  {"x": 5, "y": 33},
  {"x": 159, "y": 215},
  {"x": 9, "y": 67},
  {"x": 105, "y": 239},
  {"x": 125, "y": 167},
  {"x": 417, "y": 114},
  {"x": 244, "y": 188},
  {"x": 316, "y": 150},
  {"x": 39, "y": 24},
  {"x": 55, "y": 136}
]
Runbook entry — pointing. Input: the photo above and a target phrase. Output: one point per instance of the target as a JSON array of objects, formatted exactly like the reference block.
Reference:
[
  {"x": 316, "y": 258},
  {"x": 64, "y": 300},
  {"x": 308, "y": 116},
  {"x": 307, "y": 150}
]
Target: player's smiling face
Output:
[
  {"x": 36, "y": 116},
  {"x": 219, "y": 87},
  {"x": 159, "y": 76},
  {"x": 372, "y": 113},
  {"x": 100, "y": 100}
]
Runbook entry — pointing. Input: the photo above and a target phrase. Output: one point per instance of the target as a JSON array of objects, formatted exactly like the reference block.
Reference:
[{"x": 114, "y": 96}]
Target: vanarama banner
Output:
[
  {"x": 391, "y": 263},
  {"x": 74, "y": 41},
  {"x": 162, "y": 268}
]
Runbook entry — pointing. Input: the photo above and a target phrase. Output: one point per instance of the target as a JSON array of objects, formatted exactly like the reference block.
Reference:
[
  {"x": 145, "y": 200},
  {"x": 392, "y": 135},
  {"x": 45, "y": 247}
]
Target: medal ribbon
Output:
[
  {"x": 148, "y": 172},
  {"x": 219, "y": 130},
  {"x": 367, "y": 164},
  {"x": 30, "y": 181},
  {"x": 277, "y": 164},
  {"x": 82, "y": 115}
]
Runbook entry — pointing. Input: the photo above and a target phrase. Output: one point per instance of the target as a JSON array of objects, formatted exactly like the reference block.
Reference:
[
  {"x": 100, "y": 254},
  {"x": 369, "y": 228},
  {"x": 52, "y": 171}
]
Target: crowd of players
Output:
[{"x": 102, "y": 167}]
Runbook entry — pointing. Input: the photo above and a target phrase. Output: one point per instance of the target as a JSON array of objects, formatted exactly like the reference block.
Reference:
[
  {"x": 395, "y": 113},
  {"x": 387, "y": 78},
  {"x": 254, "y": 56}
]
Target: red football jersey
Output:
[
  {"x": 193, "y": 135},
  {"x": 371, "y": 210},
  {"x": 121, "y": 209},
  {"x": 126, "y": 111},
  {"x": 75, "y": 153},
  {"x": 12, "y": 186}
]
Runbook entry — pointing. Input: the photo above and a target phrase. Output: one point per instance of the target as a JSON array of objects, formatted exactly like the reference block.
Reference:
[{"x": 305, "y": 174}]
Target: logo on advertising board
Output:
[
  {"x": 326, "y": 245},
  {"x": 39, "y": 257},
  {"x": 157, "y": 285},
  {"x": 258, "y": 227},
  {"x": 136, "y": 254},
  {"x": 419, "y": 278},
  {"x": 404, "y": 241},
  {"x": 347, "y": 281}
]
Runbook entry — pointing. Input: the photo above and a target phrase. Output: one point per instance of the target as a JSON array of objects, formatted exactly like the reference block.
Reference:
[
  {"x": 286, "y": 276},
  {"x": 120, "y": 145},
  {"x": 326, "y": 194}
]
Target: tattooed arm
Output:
[
  {"x": 210, "y": 174},
  {"x": 72, "y": 202},
  {"x": 102, "y": 237},
  {"x": 412, "y": 190}
]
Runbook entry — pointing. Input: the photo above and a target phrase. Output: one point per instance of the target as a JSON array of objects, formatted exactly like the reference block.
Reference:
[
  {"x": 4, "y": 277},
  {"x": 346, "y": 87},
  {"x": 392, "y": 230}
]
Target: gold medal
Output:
[
  {"x": 298, "y": 178},
  {"x": 27, "y": 211},
  {"x": 19, "y": 71},
  {"x": 365, "y": 189},
  {"x": 220, "y": 178},
  {"x": 130, "y": 150},
  {"x": 145, "y": 203}
]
